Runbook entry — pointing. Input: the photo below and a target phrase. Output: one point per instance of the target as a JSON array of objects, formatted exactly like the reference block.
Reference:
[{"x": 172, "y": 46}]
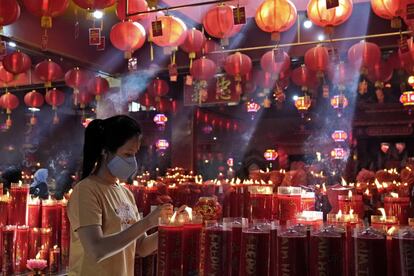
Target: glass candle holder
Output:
[
  {"x": 398, "y": 207},
  {"x": 384, "y": 223},
  {"x": 402, "y": 252},
  {"x": 237, "y": 226},
  {"x": 349, "y": 202},
  {"x": 19, "y": 193},
  {"x": 308, "y": 201},
  {"x": 260, "y": 202},
  {"x": 289, "y": 203}
]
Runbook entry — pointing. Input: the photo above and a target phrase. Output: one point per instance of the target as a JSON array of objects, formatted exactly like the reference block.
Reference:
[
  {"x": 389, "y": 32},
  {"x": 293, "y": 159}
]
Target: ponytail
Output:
[{"x": 93, "y": 146}]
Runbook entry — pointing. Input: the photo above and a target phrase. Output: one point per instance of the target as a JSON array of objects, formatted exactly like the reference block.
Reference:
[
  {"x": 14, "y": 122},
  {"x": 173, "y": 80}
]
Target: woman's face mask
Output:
[{"x": 122, "y": 168}]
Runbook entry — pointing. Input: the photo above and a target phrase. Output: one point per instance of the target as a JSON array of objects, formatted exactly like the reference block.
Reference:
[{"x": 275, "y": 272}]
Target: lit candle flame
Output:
[
  {"x": 238, "y": 181},
  {"x": 391, "y": 230},
  {"x": 172, "y": 219},
  {"x": 189, "y": 212},
  {"x": 343, "y": 182},
  {"x": 38, "y": 256},
  {"x": 394, "y": 195},
  {"x": 367, "y": 191},
  {"x": 55, "y": 247},
  {"x": 379, "y": 186},
  {"x": 383, "y": 215},
  {"x": 339, "y": 215},
  {"x": 349, "y": 193},
  {"x": 324, "y": 187},
  {"x": 351, "y": 213}
]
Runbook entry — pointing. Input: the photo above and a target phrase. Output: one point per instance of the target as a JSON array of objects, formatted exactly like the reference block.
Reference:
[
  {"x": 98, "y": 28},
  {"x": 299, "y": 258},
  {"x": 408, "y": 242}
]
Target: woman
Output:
[
  {"x": 105, "y": 224},
  {"x": 39, "y": 186}
]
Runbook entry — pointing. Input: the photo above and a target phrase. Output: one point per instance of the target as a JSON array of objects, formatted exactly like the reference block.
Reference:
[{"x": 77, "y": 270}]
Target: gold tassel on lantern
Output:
[
  {"x": 56, "y": 119},
  {"x": 46, "y": 22},
  {"x": 9, "y": 121}
]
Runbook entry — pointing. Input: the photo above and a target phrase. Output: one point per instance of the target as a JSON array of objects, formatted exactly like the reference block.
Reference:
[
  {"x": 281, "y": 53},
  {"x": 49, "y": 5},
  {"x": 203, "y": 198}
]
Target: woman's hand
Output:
[{"x": 161, "y": 210}]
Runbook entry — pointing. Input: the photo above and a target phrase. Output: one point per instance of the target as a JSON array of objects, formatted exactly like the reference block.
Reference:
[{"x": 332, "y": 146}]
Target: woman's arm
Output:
[{"x": 147, "y": 245}]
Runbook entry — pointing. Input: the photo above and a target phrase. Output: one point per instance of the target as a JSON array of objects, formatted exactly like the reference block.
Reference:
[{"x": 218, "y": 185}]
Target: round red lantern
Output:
[
  {"x": 33, "y": 99},
  {"x": 17, "y": 62},
  {"x": 94, "y": 4},
  {"x": 77, "y": 78},
  {"x": 317, "y": 59},
  {"x": 219, "y": 23},
  {"x": 173, "y": 32},
  {"x": 55, "y": 98},
  {"x": 98, "y": 86},
  {"x": 328, "y": 18},
  {"x": 203, "y": 69},
  {"x": 275, "y": 61},
  {"x": 133, "y": 7},
  {"x": 83, "y": 98},
  {"x": 341, "y": 73},
  {"x": 9, "y": 12},
  {"x": 304, "y": 77},
  {"x": 238, "y": 65},
  {"x": 127, "y": 36},
  {"x": 276, "y": 16},
  {"x": 46, "y": 10},
  {"x": 9, "y": 102},
  {"x": 158, "y": 88},
  {"x": 391, "y": 10},
  {"x": 364, "y": 54},
  {"x": 193, "y": 43},
  {"x": 5, "y": 76},
  {"x": 146, "y": 100},
  {"x": 339, "y": 136},
  {"x": 48, "y": 71}
]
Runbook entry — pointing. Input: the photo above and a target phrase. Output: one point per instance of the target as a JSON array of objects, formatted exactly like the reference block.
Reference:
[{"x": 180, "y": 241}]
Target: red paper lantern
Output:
[
  {"x": 146, "y": 100},
  {"x": 193, "y": 42},
  {"x": 127, "y": 36},
  {"x": 341, "y": 73},
  {"x": 339, "y": 101},
  {"x": 276, "y": 16},
  {"x": 379, "y": 73},
  {"x": 133, "y": 7},
  {"x": 98, "y": 86},
  {"x": 317, "y": 59},
  {"x": 238, "y": 65},
  {"x": 94, "y": 4},
  {"x": 5, "y": 76},
  {"x": 219, "y": 23},
  {"x": 55, "y": 98},
  {"x": 328, "y": 18},
  {"x": 363, "y": 55},
  {"x": 162, "y": 144},
  {"x": 77, "y": 78},
  {"x": 158, "y": 88},
  {"x": 9, "y": 12},
  {"x": 173, "y": 32},
  {"x": 48, "y": 71},
  {"x": 83, "y": 97},
  {"x": 9, "y": 102},
  {"x": 304, "y": 77},
  {"x": 46, "y": 10},
  {"x": 275, "y": 61},
  {"x": 203, "y": 69},
  {"x": 164, "y": 105},
  {"x": 160, "y": 119},
  {"x": 270, "y": 154},
  {"x": 17, "y": 62},
  {"x": 338, "y": 153},
  {"x": 407, "y": 98},
  {"x": 389, "y": 9},
  {"x": 33, "y": 99}
]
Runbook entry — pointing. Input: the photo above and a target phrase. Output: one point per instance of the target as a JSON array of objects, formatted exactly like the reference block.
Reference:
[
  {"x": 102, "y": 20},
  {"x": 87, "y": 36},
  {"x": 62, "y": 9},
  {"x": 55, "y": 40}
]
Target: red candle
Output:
[
  {"x": 65, "y": 235},
  {"x": 237, "y": 225},
  {"x": 170, "y": 234},
  {"x": 383, "y": 222},
  {"x": 217, "y": 252},
  {"x": 1, "y": 189},
  {"x": 46, "y": 239},
  {"x": 398, "y": 207},
  {"x": 255, "y": 251},
  {"x": 51, "y": 218},
  {"x": 151, "y": 193},
  {"x": 260, "y": 202},
  {"x": 289, "y": 203},
  {"x": 4, "y": 209},
  {"x": 350, "y": 201},
  {"x": 21, "y": 249},
  {"x": 273, "y": 269},
  {"x": 172, "y": 191},
  {"x": 370, "y": 252},
  {"x": 192, "y": 246},
  {"x": 333, "y": 193},
  {"x": 8, "y": 236},
  {"x": 17, "y": 210},
  {"x": 308, "y": 201},
  {"x": 33, "y": 212},
  {"x": 54, "y": 259},
  {"x": 34, "y": 242},
  {"x": 403, "y": 252},
  {"x": 292, "y": 248},
  {"x": 326, "y": 253}
]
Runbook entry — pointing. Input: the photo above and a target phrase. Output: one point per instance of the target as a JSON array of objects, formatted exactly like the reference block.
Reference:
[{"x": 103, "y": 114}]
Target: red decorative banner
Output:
[
  {"x": 156, "y": 28},
  {"x": 94, "y": 36},
  {"x": 239, "y": 15},
  {"x": 332, "y": 4},
  {"x": 410, "y": 11},
  {"x": 101, "y": 45},
  {"x": 217, "y": 91}
]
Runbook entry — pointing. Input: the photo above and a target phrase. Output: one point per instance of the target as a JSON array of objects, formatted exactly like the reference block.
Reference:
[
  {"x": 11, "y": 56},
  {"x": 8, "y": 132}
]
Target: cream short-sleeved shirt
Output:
[{"x": 110, "y": 206}]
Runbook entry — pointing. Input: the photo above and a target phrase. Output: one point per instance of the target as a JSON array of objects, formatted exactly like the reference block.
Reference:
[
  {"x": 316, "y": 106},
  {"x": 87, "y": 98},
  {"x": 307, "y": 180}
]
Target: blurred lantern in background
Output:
[
  {"x": 98, "y": 86},
  {"x": 55, "y": 98},
  {"x": 17, "y": 62},
  {"x": 160, "y": 120},
  {"x": 339, "y": 136},
  {"x": 390, "y": 10},
  {"x": 317, "y": 59},
  {"x": 338, "y": 153},
  {"x": 328, "y": 17},
  {"x": 407, "y": 97},
  {"x": 9, "y": 12},
  {"x": 48, "y": 71},
  {"x": 9, "y": 102},
  {"x": 238, "y": 65},
  {"x": 270, "y": 154},
  {"x": 363, "y": 55},
  {"x": 128, "y": 37},
  {"x": 33, "y": 100},
  {"x": 193, "y": 43},
  {"x": 252, "y": 108},
  {"x": 162, "y": 145},
  {"x": 302, "y": 104}
]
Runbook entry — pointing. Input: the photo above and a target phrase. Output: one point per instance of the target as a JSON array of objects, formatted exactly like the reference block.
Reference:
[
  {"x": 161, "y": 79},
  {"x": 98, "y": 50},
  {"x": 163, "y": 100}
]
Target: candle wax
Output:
[{"x": 170, "y": 250}]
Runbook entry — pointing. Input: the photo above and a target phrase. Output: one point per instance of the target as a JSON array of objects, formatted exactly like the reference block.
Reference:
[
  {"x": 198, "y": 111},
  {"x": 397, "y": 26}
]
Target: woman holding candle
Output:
[{"x": 105, "y": 224}]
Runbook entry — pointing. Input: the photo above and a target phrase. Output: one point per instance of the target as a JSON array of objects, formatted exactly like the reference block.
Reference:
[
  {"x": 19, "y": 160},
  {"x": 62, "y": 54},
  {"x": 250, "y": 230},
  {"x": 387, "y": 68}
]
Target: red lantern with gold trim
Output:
[
  {"x": 203, "y": 69},
  {"x": 33, "y": 99},
  {"x": 98, "y": 86},
  {"x": 9, "y": 102},
  {"x": 320, "y": 15},
  {"x": 46, "y": 10},
  {"x": 128, "y": 37},
  {"x": 146, "y": 100},
  {"x": 238, "y": 65},
  {"x": 173, "y": 32},
  {"x": 390, "y": 10},
  {"x": 77, "y": 78},
  {"x": 364, "y": 54},
  {"x": 134, "y": 6},
  {"x": 275, "y": 61},
  {"x": 17, "y": 62},
  {"x": 158, "y": 88},
  {"x": 276, "y": 16},
  {"x": 9, "y": 12},
  {"x": 193, "y": 43},
  {"x": 83, "y": 98},
  {"x": 55, "y": 98},
  {"x": 94, "y": 4},
  {"x": 317, "y": 59},
  {"x": 5, "y": 76},
  {"x": 48, "y": 71},
  {"x": 304, "y": 77}
]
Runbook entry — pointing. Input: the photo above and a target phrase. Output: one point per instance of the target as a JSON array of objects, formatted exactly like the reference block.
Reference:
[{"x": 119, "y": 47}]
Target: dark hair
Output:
[{"x": 109, "y": 134}]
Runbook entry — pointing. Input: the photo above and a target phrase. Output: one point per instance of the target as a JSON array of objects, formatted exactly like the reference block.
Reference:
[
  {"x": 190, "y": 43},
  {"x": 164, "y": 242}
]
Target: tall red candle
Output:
[
  {"x": 51, "y": 218},
  {"x": 383, "y": 222},
  {"x": 289, "y": 203},
  {"x": 255, "y": 251},
  {"x": 46, "y": 238},
  {"x": 370, "y": 252},
  {"x": 151, "y": 193},
  {"x": 350, "y": 201},
  {"x": 169, "y": 261},
  {"x": 333, "y": 193},
  {"x": 237, "y": 225},
  {"x": 33, "y": 212},
  {"x": 54, "y": 259},
  {"x": 260, "y": 202},
  {"x": 398, "y": 207},
  {"x": 34, "y": 242},
  {"x": 65, "y": 235},
  {"x": 308, "y": 201},
  {"x": 18, "y": 204},
  {"x": 4, "y": 209},
  {"x": 217, "y": 250},
  {"x": 192, "y": 246},
  {"x": 21, "y": 249},
  {"x": 273, "y": 269},
  {"x": 292, "y": 253},
  {"x": 8, "y": 238},
  {"x": 403, "y": 252},
  {"x": 326, "y": 253}
]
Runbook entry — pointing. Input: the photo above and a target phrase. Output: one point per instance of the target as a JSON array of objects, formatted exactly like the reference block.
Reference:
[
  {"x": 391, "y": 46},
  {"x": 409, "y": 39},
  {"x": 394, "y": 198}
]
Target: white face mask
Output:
[{"x": 123, "y": 168}]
